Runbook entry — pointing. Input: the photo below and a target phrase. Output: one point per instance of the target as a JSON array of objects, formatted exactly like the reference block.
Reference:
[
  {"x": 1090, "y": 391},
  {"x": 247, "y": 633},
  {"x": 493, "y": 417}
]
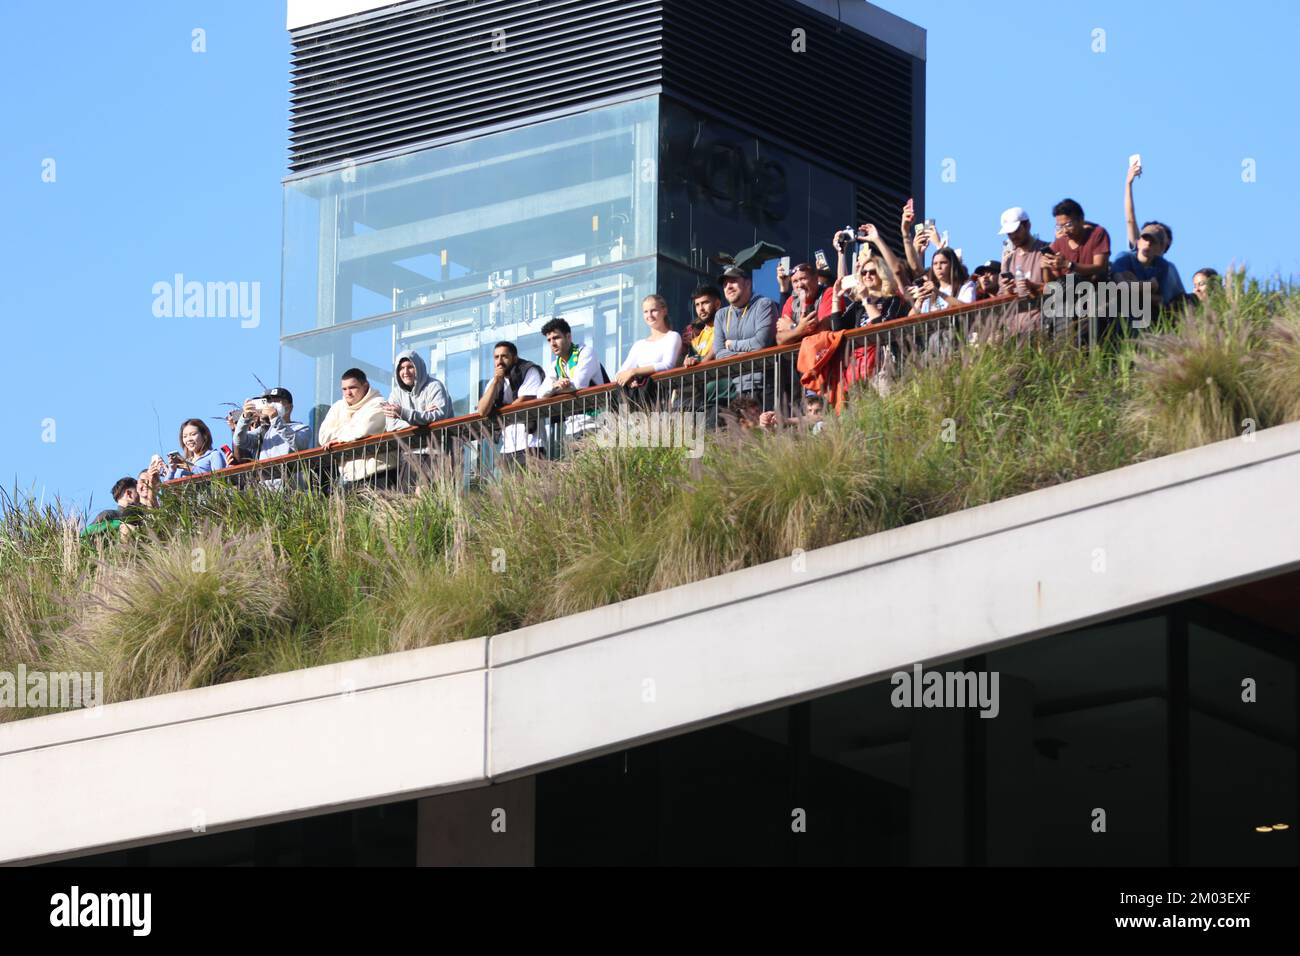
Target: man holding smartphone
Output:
[
  {"x": 808, "y": 310},
  {"x": 1081, "y": 248},
  {"x": 1023, "y": 265},
  {"x": 266, "y": 429}
]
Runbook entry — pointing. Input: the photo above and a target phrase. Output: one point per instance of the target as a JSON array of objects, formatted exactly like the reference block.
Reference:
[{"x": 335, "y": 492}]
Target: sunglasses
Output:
[{"x": 870, "y": 272}]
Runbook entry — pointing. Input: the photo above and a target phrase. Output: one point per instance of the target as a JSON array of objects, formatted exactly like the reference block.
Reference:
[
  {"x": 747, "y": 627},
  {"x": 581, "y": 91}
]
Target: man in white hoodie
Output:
[{"x": 359, "y": 413}]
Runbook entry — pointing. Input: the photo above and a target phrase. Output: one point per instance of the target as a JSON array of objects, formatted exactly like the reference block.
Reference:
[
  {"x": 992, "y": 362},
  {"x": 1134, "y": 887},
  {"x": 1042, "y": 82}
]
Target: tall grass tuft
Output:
[
  {"x": 1198, "y": 383},
  {"x": 1279, "y": 369},
  {"x": 42, "y": 562},
  {"x": 177, "y": 613},
  {"x": 760, "y": 497}
]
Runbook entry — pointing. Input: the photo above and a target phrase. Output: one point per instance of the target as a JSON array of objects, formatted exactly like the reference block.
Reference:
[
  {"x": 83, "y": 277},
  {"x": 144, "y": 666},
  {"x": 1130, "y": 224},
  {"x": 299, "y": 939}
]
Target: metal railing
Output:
[{"x": 476, "y": 448}]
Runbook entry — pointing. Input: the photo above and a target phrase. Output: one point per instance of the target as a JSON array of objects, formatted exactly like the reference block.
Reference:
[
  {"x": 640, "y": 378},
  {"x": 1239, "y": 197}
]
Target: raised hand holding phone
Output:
[{"x": 1134, "y": 167}]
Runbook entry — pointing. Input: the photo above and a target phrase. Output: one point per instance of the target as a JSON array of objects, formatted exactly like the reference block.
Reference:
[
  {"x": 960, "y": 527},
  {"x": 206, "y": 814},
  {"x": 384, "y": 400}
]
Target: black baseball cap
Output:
[
  {"x": 279, "y": 394},
  {"x": 991, "y": 266},
  {"x": 734, "y": 272}
]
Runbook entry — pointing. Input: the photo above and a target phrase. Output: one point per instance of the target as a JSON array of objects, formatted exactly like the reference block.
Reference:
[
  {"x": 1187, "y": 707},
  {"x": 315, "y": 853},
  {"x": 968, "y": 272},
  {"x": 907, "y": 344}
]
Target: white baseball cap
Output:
[{"x": 1011, "y": 220}]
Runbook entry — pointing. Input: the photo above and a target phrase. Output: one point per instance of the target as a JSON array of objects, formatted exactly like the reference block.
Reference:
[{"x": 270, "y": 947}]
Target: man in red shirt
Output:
[
  {"x": 815, "y": 307},
  {"x": 1081, "y": 248}
]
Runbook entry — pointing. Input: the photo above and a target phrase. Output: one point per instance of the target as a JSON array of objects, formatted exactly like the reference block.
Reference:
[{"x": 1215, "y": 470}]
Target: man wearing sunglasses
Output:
[
  {"x": 807, "y": 310},
  {"x": 1145, "y": 261},
  {"x": 1148, "y": 264}
]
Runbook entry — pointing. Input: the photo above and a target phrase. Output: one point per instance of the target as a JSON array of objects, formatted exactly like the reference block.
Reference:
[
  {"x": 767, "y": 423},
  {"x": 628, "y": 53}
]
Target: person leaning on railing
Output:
[
  {"x": 571, "y": 368},
  {"x": 417, "y": 397},
  {"x": 1081, "y": 248},
  {"x": 945, "y": 284},
  {"x": 358, "y": 414},
  {"x": 747, "y": 324},
  {"x": 513, "y": 380},
  {"x": 806, "y": 311},
  {"x": 1023, "y": 266},
  {"x": 657, "y": 352},
  {"x": 200, "y": 457},
  {"x": 268, "y": 430},
  {"x": 706, "y": 300}
]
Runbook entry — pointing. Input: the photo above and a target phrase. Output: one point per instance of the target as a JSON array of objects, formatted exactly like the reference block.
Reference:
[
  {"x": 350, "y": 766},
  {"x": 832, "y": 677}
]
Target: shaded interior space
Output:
[{"x": 1163, "y": 738}]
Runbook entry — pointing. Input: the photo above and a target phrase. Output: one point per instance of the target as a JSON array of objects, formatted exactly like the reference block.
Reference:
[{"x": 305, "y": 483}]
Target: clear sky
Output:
[{"x": 167, "y": 161}]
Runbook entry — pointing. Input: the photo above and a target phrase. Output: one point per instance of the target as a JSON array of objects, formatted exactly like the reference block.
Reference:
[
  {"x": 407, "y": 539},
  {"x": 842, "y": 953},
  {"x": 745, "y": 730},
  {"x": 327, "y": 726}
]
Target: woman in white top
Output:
[
  {"x": 946, "y": 284},
  {"x": 657, "y": 352}
]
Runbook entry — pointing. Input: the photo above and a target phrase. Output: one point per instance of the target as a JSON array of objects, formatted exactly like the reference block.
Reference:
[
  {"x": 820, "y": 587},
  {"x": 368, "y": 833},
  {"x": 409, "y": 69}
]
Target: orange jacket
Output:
[{"x": 819, "y": 366}]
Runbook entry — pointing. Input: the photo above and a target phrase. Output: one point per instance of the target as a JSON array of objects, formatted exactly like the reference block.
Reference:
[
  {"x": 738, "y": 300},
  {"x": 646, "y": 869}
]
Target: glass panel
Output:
[
  {"x": 602, "y": 306},
  {"x": 457, "y": 221}
]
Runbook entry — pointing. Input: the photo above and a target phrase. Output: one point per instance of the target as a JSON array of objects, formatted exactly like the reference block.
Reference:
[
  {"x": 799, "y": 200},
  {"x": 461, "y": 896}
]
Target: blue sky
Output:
[{"x": 169, "y": 161}]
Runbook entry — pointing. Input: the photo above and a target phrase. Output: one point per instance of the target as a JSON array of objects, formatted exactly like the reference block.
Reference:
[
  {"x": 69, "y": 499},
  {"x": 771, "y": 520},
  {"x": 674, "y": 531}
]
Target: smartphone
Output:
[
  {"x": 1135, "y": 159},
  {"x": 259, "y": 403},
  {"x": 944, "y": 237},
  {"x": 785, "y": 264},
  {"x": 919, "y": 228},
  {"x": 929, "y": 224},
  {"x": 820, "y": 258}
]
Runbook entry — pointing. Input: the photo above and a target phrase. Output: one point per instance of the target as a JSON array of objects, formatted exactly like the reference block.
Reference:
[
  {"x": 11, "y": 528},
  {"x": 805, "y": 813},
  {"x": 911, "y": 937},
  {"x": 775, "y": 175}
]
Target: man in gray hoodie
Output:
[{"x": 417, "y": 398}]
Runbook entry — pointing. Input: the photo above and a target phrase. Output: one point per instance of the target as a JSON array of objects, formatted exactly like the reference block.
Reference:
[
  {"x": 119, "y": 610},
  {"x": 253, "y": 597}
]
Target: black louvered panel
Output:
[
  {"x": 417, "y": 74},
  {"x": 884, "y": 211},
  {"x": 738, "y": 59}
]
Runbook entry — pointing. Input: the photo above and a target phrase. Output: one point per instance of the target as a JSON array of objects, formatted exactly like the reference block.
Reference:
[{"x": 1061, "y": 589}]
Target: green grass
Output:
[{"x": 237, "y": 584}]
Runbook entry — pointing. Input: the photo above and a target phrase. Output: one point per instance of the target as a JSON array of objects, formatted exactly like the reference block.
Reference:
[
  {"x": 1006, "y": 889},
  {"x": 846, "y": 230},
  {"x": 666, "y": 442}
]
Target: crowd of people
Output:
[{"x": 728, "y": 319}]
